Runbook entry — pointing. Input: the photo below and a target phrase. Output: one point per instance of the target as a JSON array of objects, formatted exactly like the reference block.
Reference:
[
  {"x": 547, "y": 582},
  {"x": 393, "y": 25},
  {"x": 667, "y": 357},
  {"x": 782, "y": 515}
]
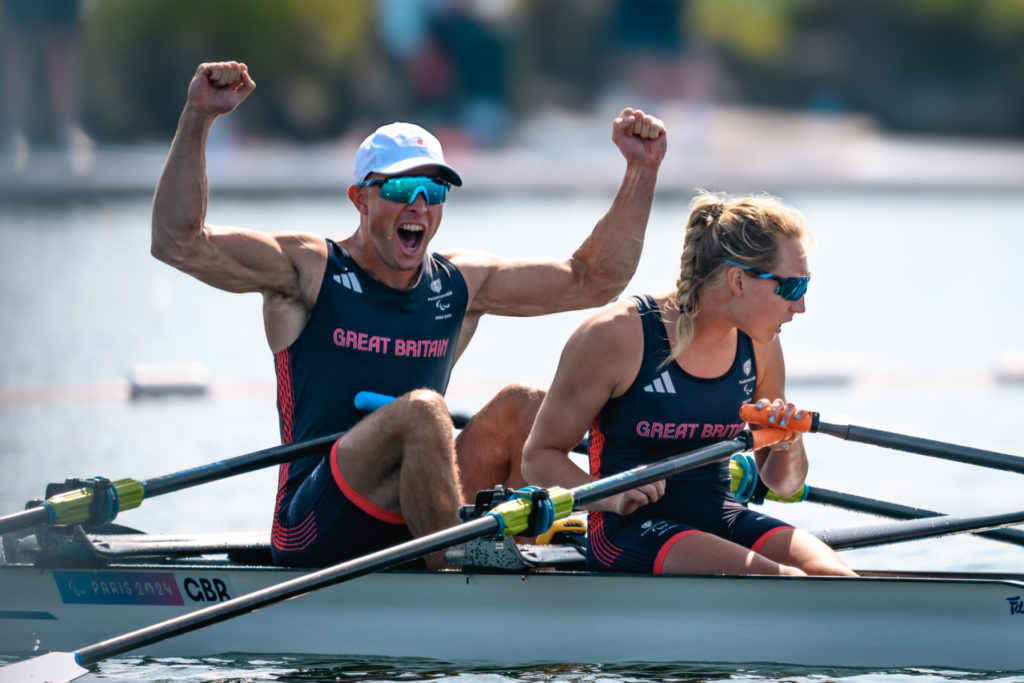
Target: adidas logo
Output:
[
  {"x": 350, "y": 282},
  {"x": 661, "y": 385}
]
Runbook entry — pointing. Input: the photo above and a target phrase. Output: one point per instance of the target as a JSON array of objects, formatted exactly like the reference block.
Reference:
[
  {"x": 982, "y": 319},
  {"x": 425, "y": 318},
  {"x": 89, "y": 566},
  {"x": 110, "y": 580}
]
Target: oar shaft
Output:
[
  {"x": 25, "y": 519},
  {"x": 645, "y": 474},
  {"x": 849, "y": 501},
  {"x": 306, "y": 583},
  {"x": 811, "y": 422},
  {"x": 912, "y": 530},
  {"x": 237, "y": 465},
  {"x": 936, "y": 449},
  {"x": 75, "y": 506}
]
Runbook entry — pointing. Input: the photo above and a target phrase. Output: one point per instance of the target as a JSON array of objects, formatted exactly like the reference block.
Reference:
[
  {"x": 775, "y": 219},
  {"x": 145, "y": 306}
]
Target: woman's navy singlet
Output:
[{"x": 667, "y": 411}]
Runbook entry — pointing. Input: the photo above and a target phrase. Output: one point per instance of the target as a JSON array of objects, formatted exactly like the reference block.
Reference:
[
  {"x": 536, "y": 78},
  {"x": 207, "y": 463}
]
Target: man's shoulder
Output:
[
  {"x": 302, "y": 247},
  {"x": 300, "y": 241},
  {"x": 468, "y": 259},
  {"x": 614, "y": 326}
]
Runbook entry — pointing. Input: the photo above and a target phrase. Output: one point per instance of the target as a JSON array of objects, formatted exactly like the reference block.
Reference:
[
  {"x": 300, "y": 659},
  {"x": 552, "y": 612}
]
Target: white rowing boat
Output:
[
  {"x": 60, "y": 588},
  {"x": 546, "y": 614}
]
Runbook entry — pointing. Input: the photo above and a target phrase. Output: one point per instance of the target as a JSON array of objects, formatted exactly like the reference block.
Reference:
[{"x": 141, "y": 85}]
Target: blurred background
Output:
[
  {"x": 897, "y": 126},
  {"x": 491, "y": 74},
  {"x": 474, "y": 67}
]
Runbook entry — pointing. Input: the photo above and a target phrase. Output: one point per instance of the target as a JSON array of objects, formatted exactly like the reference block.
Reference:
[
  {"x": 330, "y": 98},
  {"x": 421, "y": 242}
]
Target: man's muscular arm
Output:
[
  {"x": 285, "y": 268},
  {"x": 602, "y": 266},
  {"x": 233, "y": 259}
]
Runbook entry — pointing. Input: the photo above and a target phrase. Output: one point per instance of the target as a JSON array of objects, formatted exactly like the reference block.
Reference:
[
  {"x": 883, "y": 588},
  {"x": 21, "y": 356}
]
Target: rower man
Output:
[{"x": 377, "y": 311}]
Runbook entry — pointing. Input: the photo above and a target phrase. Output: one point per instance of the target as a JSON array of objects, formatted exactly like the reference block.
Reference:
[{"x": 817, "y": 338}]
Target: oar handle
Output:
[
  {"x": 371, "y": 401},
  {"x": 750, "y": 412}
]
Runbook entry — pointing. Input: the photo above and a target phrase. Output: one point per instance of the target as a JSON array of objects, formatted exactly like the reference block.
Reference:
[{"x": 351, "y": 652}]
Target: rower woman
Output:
[{"x": 653, "y": 376}]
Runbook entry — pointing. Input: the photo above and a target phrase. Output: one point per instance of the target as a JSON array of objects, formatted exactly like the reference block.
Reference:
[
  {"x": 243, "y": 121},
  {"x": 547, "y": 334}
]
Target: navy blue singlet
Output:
[
  {"x": 361, "y": 335},
  {"x": 667, "y": 410},
  {"x": 664, "y": 412}
]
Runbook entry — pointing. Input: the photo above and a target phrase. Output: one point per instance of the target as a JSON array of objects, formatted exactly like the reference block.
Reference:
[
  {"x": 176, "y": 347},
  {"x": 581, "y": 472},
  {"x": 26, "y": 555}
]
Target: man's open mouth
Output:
[{"x": 410, "y": 235}]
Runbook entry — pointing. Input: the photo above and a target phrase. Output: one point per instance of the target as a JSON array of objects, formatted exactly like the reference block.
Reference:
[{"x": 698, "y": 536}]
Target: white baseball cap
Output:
[{"x": 399, "y": 147}]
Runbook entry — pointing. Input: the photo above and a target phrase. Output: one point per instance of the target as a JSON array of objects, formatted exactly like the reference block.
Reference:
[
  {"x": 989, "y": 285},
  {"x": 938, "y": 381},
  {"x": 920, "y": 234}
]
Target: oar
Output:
[
  {"x": 371, "y": 400},
  {"x": 746, "y": 482},
  {"x": 101, "y": 500},
  {"x": 509, "y": 518},
  {"x": 849, "y": 501},
  {"x": 914, "y": 529},
  {"x": 811, "y": 422}
]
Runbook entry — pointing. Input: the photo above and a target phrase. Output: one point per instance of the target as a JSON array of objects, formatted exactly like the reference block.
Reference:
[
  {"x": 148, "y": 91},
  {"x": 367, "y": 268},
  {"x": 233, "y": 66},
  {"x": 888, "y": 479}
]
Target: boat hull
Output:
[{"x": 543, "y": 616}]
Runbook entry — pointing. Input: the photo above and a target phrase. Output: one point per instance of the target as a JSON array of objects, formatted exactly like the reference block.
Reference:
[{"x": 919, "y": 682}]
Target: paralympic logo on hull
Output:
[{"x": 137, "y": 588}]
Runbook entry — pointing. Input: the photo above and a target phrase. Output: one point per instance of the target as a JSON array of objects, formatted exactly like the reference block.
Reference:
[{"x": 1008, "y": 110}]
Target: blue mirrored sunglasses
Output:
[
  {"x": 791, "y": 288},
  {"x": 405, "y": 188}
]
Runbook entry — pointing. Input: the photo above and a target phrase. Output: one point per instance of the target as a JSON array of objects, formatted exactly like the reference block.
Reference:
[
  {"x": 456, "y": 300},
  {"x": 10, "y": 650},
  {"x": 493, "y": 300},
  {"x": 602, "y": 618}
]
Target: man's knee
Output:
[
  {"x": 425, "y": 399},
  {"x": 426, "y": 403},
  {"x": 519, "y": 404}
]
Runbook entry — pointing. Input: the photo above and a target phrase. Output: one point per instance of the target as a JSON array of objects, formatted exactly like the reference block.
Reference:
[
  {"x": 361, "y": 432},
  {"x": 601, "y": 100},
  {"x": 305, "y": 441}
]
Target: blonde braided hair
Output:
[{"x": 746, "y": 230}]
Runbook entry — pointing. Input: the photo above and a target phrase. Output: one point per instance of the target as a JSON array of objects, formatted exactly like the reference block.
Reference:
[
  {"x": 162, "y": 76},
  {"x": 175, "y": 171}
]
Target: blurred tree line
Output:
[{"x": 324, "y": 67}]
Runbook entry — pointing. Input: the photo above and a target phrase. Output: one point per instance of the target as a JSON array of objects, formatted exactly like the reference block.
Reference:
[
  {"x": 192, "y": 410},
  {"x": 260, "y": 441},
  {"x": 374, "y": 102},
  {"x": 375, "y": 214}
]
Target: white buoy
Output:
[
  {"x": 1011, "y": 367},
  {"x": 169, "y": 379}
]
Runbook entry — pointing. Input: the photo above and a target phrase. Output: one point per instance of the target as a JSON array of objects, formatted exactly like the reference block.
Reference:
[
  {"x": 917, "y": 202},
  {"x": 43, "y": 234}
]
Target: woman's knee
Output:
[{"x": 827, "y": 565}]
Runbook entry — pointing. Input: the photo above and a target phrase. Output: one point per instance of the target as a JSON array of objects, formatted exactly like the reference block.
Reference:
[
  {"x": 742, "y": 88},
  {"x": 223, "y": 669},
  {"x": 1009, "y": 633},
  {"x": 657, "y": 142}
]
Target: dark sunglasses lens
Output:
[
  {"x": 406, "y": 188},
  {"x": 793, "y": 288}
]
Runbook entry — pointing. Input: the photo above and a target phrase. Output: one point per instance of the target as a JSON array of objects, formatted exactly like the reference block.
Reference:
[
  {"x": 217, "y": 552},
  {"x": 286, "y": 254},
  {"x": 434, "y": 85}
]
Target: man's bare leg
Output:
[
  {"x": 402, "y": 459},
  {"x": 490, "y": 447}
]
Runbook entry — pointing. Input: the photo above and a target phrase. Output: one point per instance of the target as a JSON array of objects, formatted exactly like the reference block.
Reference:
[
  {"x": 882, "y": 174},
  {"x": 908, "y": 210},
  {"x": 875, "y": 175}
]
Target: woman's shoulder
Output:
[{"x": 615, "y": 329}]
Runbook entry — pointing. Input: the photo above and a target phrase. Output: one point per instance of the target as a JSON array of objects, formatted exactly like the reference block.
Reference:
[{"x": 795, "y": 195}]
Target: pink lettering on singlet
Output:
[
  {"x": 372, "y": 343},
  {"x": 361, "y": 341},
  {"x": 684, "y": 430},
  {"x": 720, "y": 431}
]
